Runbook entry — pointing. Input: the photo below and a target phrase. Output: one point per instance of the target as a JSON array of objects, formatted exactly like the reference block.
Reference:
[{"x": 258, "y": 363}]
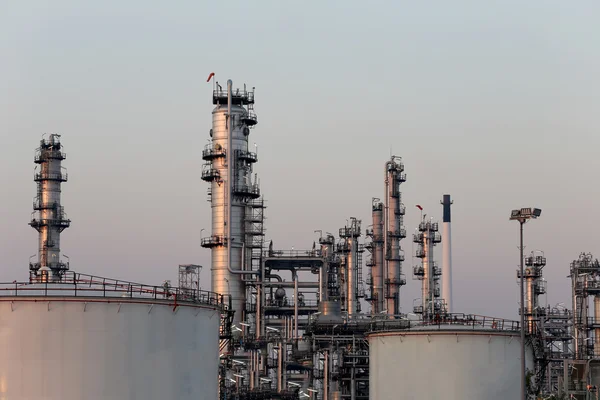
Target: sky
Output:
[{"x": 492, "y": 102}]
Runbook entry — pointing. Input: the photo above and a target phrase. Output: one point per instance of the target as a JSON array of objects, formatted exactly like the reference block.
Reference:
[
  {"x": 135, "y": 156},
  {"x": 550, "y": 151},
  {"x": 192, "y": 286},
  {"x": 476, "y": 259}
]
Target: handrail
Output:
[
  {"x": 50, "y": 176},
  {"x": 293, "y": 253},
  {"x": 82, "y": 285},
  {"x": 441, "y": 322}
]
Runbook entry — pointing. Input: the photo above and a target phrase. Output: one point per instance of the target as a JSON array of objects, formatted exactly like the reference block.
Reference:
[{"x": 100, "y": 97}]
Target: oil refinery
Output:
[{"x": 323, "y": 323}]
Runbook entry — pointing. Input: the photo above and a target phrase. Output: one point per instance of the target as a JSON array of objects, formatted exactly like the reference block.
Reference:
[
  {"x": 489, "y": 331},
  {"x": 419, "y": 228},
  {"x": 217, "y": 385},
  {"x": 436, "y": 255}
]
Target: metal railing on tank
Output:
[
  {"x": 74, "y": 284},
  {"x": 447, "y": 321}
]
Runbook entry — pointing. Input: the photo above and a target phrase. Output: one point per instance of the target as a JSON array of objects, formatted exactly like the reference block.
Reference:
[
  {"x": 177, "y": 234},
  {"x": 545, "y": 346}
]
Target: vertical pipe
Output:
[
  {"x": 284, "y": 364},
  {"x": 596, "y": 322},
  {"x": 280, "y": 367},
  {"x": 259, "y": 290},
  {"x": 257, "y": 356},
  {"x": 326, "y": 376},
  {"x": 523, "y": 395},
  {"x": 251, "y": 370},
  {"x": 574, "y": 279},
  {"x": 351, "y": 274},
  {"x": 427, "y": 275},
  {"x": 447, "y": 253},
  {"x": 353, "y": 373},
  {"x": 229, "y": 182},
  {"x": 262, "y": 298},
  {"x": 295, "y": 306}
]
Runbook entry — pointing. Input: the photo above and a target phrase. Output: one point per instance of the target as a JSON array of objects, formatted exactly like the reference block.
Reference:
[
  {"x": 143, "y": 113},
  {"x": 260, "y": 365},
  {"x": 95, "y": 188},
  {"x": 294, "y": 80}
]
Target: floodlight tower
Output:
[{"x": 523, "y": 215}]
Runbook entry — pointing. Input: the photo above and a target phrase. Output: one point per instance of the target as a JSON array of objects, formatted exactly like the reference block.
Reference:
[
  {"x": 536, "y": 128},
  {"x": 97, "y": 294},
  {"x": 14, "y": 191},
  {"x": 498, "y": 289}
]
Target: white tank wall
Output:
[
  {"x": 67, "y": 350},
  {"x": 445, "y": 366}
]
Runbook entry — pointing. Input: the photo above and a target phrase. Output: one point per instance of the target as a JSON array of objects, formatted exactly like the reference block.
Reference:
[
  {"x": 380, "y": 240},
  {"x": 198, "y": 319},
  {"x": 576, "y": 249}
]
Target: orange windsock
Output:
[{"x": 210, "y": 76}]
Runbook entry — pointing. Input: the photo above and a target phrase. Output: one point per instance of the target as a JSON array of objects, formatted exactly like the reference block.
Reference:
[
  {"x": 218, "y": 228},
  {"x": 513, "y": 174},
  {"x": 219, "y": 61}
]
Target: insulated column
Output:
[
  {"x": 49, "y": 217},
  {"x": 447, "y": 253}
]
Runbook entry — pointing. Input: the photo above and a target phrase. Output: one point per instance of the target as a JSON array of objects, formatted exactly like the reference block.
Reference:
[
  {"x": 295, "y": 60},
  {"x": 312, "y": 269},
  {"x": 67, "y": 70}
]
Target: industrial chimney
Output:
[{"x": 447, "y": 253}]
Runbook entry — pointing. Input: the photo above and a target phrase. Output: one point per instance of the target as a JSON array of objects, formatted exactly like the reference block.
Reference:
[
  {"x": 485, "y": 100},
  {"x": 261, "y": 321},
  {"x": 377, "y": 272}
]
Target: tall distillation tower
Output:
[
  {"x": 428, "y": 272},
  {"x": 228, "y": 168},
  {"x": 376, "y": 261},
  {"x": 49, "y": 217},
  {"x": 585, "y": 282},
  {"x": 394, "y": 232},
  {"x": 535, "y": 285},
  {"x": 352, "y": 251}
]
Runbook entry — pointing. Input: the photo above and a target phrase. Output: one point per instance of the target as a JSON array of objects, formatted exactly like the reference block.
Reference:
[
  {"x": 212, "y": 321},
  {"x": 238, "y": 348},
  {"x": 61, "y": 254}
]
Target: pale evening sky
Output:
[{"x": 490, "y": 101}]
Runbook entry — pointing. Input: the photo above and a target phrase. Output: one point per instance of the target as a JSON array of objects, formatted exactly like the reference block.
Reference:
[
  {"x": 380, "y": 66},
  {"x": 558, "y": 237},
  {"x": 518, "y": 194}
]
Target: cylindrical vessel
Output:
[
  {"x": 50, "y": 218},
  {"x": 377, "y": 270},
  {"x": 530, "y": 297},
  {"x": 427, "y": 283},
  {"x": 447, "y": 253},
  {"x": 394, "y": 232},
  {"x": 223, "y": 281},
  {"x": 229, "y": 194},
  {"x": 451, "y": 364},
  {"x": 351, "y": 282},
  {"x": 95, "y": 349},
  {"x": 393, "y": 271},
  {"x": 329, "y": 280}
]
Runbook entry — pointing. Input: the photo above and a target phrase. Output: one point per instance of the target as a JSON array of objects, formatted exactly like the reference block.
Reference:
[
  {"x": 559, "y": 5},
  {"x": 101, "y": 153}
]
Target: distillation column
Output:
[
  {"x": 350, "y": 235},
  {"x": 377, "y": 295},
  {"x": 585, "y": 272},
  {"x": 429, "y": 273},
  {"x": 447, "y": 253},
  {"x": 49, "y": 217},
  {"x": 228, "y": 168},
  {"x": 394, "y": 232},
  {"x": 534, "y": 286}
]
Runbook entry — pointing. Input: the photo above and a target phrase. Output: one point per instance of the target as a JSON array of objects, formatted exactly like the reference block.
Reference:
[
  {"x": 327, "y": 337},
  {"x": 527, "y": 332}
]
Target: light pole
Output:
[{"x": 523, "y": 215}]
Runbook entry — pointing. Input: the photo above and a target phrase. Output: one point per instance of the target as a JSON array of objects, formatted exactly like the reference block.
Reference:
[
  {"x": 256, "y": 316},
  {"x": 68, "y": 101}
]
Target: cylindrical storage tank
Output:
[
  {"x": 96, "y": 348},
  {"x": 450, "y": 363}
]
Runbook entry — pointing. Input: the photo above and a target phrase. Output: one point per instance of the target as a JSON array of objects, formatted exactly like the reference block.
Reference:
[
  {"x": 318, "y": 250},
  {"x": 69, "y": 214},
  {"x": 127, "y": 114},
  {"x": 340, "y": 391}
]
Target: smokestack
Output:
[{"x": 447, "y": 253}]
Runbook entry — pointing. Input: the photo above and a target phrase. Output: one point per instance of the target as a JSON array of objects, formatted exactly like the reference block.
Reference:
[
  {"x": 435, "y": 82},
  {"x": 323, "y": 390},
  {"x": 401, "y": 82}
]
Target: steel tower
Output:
[
  {"x": 228, "y": 169},
  {"x": 428, "y": 272},
  {"x": 394, "y": 232},
  {"x": 49, "y": 217},
  {"x": 376, "y": 262}
]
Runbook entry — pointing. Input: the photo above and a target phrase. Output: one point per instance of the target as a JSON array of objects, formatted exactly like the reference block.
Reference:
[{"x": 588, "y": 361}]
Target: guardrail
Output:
[
  {"x": 441, "y": 322},
  {"x": 292, "y": 253},
  {"x": 74, "y": 284}
]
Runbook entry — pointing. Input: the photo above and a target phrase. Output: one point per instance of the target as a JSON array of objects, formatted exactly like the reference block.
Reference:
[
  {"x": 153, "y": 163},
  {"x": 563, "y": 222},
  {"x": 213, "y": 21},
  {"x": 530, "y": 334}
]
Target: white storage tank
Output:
[
  {"x": 457, "y": 361},
  {"x": 98, "y": 341}
]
